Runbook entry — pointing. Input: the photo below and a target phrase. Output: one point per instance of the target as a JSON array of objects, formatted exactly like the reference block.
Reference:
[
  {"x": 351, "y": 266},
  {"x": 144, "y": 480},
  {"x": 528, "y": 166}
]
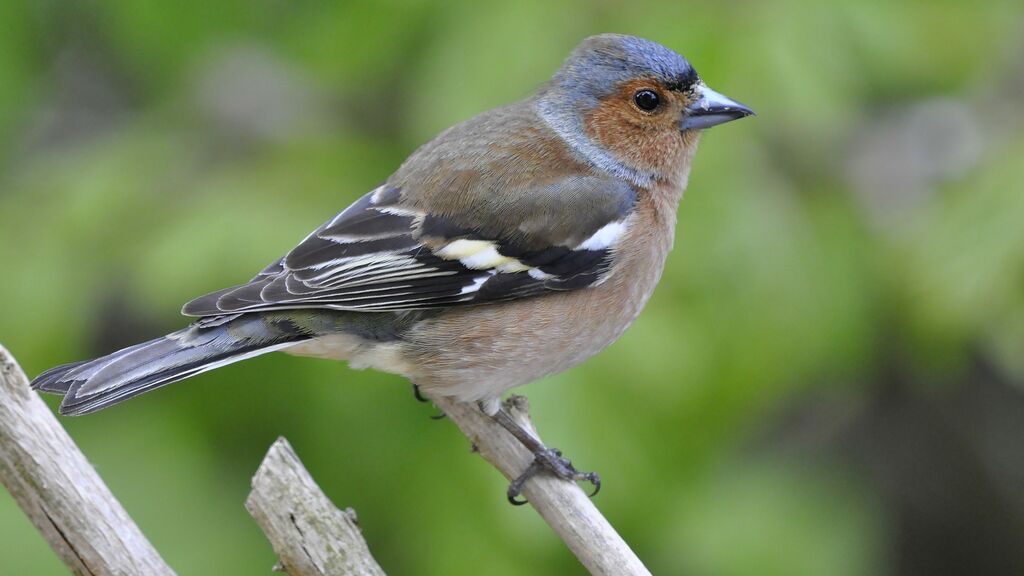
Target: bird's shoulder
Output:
[{"x": 506, "y": 174}]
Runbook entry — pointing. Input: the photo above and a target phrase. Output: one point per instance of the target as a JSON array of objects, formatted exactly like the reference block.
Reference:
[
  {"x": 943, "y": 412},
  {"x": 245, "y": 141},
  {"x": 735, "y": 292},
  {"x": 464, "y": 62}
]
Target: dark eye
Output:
[{"x": 646, "y": 100}]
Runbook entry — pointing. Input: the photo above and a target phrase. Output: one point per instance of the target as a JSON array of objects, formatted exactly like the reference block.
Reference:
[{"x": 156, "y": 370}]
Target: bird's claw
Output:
[
  {"x": 421, "y": 398},
  {"x": 550, "y": 459},
  {"x": 419, "y": 395}
]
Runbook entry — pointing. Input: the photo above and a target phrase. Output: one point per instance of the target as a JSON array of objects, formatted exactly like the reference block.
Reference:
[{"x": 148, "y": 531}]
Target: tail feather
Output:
[
  {"x": 96, "y": 384},
  {"x": 52, "y": 380}
]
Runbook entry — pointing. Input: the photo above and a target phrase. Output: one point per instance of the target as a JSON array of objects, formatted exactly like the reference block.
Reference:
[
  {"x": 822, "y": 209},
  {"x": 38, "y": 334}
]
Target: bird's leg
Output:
[
  {"x": 419, "y": 395},
  {"x": 544, "y": 458},
  {"x": 421, "y": 398}
]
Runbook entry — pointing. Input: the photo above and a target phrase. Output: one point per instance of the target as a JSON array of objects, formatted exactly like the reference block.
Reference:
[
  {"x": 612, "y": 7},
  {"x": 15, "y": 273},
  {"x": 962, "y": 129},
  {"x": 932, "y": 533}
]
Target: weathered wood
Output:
[
  {"x": 310, "y": 535},
  {"x": 60, "y": 492},
  {"x": 83, "y": 522},
  {"x": 562, "y": 504}
]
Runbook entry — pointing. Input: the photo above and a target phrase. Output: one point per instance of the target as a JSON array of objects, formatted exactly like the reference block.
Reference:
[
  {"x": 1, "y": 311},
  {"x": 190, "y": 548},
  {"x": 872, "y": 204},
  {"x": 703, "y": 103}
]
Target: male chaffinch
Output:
[{"x": 512, "y": 246}]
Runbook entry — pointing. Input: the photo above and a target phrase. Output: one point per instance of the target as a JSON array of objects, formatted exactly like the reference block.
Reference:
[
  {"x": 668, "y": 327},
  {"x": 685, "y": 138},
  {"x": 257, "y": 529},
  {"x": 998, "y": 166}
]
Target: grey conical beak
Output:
[{"x": 712, "y": 109}]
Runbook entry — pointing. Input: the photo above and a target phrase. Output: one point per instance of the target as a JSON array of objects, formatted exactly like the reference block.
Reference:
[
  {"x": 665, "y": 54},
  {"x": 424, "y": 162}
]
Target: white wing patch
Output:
[
  {"x": 462, "y": 248},
  {"x": 605, "y": 237},
  {"x": 485, "y": 259},
  {"x": 482, "y": 255},
  {"x": 477, "y": 283}
]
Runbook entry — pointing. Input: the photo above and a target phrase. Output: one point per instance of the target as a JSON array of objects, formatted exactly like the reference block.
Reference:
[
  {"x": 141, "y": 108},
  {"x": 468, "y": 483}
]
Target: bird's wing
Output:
[{"x": 384, "y": 253}]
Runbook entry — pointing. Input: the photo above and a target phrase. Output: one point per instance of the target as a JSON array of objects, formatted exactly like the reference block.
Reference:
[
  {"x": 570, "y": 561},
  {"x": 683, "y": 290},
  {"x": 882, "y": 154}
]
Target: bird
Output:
[{"x": 511, "y": 246}]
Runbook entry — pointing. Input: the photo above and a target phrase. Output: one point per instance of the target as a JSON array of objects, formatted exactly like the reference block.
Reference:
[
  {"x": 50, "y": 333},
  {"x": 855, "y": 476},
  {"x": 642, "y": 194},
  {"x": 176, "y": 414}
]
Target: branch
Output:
[
  {"x": 60, "y": 492},
  {"x": 310, "y": 536},
  {"x": 562, "y": 504},
  {"x": 83, "y": 522}
]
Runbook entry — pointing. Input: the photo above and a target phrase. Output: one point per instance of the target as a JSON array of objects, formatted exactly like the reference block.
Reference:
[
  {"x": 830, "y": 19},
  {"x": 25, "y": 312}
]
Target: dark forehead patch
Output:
[{"x": 683, "y": 81}]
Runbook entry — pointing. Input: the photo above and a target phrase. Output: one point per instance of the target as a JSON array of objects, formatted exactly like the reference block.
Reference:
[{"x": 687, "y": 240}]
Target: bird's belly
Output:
[
  {"x": 357, "y": 351},
  {"x": 476, "y": 353}
]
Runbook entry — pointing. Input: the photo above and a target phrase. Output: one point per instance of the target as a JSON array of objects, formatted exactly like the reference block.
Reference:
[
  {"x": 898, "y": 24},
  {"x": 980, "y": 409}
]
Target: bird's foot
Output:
[
  {"x": 421, "y": 398},
  {"x": 544, "y": 458},
  {"x": 419, "y": 395},
  {"x": 552, "y": 461}
]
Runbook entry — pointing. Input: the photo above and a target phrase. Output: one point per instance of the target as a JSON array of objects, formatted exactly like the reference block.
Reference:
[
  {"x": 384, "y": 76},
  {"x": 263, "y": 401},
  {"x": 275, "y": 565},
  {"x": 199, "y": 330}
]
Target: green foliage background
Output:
[{"x": 827, "y": 381}]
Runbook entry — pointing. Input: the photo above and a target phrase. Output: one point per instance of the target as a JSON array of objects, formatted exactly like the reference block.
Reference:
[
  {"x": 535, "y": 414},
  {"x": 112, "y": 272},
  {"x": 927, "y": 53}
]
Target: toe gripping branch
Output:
[
  {"x": 421, "y": 398},
  {"x": 544, "y": 459}
]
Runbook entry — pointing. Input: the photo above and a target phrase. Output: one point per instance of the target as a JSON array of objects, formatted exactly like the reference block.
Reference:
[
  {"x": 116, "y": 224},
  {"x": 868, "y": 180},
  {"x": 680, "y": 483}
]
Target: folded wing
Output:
[{"x": 386, "y": 254}]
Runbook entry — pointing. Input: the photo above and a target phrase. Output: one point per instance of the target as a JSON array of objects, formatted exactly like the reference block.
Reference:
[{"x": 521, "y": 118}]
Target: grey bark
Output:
[
  {"x": 60, "y": 492},
  {"x": 310, "y": 536}
]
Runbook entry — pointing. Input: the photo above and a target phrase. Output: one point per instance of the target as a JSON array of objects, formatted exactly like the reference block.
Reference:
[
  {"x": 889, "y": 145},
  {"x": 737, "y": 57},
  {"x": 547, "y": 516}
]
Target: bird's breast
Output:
[{"x": 476, "y": 353}]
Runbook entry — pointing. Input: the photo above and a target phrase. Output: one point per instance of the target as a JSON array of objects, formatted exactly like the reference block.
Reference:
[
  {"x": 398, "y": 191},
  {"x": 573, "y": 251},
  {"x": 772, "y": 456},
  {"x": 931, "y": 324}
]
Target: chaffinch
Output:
[{"x": 512, "y": 246}]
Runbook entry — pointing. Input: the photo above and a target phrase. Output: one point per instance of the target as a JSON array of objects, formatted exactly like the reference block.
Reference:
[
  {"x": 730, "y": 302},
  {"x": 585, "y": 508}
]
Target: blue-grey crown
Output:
[{"x": 600, "y": 63}]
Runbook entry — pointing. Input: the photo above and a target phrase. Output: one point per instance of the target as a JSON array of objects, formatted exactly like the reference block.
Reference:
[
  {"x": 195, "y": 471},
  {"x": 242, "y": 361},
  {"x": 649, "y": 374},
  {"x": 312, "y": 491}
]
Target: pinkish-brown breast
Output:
[{"x": 480, "y": 352}]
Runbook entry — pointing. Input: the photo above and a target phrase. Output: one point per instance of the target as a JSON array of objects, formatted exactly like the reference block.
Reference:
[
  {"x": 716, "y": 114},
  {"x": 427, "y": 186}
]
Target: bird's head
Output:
[{"x": 633, "y": 106}]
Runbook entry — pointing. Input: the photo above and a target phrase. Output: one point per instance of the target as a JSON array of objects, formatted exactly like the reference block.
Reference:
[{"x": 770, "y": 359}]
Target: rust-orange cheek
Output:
[{"x": 646, "y": 143}]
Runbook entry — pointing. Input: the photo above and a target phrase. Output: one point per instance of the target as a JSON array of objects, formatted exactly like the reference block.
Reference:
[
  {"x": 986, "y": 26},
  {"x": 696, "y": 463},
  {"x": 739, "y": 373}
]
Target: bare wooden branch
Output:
[
  {"x": 69, "y": 504},
  {"x": 60, "y": 492},
  {"x": 310, "y": 535},
  {"x": 562, "y": 504}
]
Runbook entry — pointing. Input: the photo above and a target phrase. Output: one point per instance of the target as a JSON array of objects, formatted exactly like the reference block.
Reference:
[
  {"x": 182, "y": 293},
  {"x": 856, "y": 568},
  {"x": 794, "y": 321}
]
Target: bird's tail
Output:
[{"x": 210, "y": 343}]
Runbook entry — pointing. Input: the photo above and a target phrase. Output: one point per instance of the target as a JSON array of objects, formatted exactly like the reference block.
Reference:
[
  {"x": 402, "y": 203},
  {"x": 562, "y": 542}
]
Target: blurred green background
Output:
[{"x": 827, "y": 381}]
